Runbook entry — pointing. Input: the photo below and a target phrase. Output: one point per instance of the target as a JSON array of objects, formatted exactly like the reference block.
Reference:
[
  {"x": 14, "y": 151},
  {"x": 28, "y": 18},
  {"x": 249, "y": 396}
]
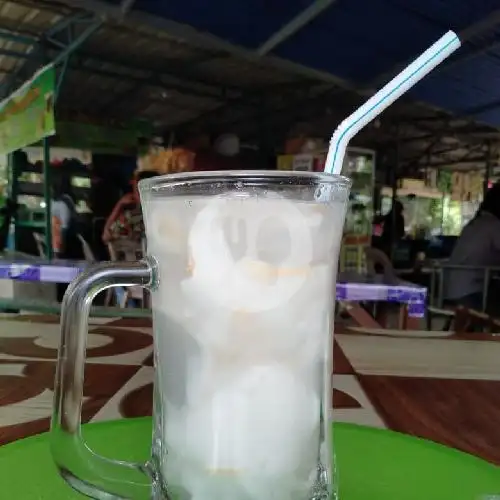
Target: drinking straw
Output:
[{"x": 411, "y": 75}]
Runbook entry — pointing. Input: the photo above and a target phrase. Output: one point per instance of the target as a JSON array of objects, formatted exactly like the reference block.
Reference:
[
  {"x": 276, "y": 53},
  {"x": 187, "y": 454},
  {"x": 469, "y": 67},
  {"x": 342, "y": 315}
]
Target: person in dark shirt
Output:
[
  {"x": 477, "y": 248},
  {"x": 393, "y": 227}
]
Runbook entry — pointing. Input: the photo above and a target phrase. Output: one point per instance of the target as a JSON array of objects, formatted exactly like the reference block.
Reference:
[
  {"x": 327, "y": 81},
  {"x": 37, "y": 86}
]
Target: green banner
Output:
[{"x": 27, "y": 116}]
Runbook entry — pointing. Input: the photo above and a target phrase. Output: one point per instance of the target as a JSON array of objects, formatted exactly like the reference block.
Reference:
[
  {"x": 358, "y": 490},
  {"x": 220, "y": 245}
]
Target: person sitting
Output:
[
  {"x": 477, "y": 246},
  {"x": 125, "y": 221}
]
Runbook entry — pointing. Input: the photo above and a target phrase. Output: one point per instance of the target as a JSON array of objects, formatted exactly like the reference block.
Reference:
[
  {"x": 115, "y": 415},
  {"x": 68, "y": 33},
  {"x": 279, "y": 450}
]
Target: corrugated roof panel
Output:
[
  {"x": 18, "y": 16},
  {"x": 242, "y": 73},
  {"x": 122, "y": 39},
  {"x": 358, "y": 40}
]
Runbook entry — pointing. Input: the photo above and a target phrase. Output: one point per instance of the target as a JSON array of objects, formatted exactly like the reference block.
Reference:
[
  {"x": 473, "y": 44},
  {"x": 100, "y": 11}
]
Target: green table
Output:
[{"x": 373, "y": 465}]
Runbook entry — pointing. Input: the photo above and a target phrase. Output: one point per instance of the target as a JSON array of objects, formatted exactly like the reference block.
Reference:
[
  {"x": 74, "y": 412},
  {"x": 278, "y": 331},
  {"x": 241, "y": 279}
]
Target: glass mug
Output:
[{"x": 242, "y": 269}]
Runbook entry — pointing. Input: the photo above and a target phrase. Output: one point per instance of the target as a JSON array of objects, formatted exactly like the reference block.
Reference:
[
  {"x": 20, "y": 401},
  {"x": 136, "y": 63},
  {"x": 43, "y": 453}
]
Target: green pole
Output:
[
  {"x": 47, "y": 184},
  {"x": 14, "y": 171}
]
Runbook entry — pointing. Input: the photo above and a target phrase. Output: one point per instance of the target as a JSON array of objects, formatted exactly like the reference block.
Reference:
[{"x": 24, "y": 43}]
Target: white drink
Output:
[{"x": 242, "y": 330}]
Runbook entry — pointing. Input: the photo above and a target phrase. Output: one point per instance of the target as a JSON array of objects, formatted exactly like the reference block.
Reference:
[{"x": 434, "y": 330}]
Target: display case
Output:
[{"x": 359, "y": 166}]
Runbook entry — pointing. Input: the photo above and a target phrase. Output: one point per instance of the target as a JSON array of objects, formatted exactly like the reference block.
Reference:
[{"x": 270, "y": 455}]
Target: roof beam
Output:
[
  {"x": 126, "y": 6},
  {"x": 206, "y": 40},
  {"x": 37, "y": 55},
  {"x": 31, "y": 60},
  {"x": 36, "y": 59},
  {"x": 15, "y": 37},
  {"x": 173, "y": 66},
  {"x": 294, "y": 25}
]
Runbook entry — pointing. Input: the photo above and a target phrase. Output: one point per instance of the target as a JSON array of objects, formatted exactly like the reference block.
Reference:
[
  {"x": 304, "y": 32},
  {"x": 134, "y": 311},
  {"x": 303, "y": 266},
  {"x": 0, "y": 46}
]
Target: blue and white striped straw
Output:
[{"x": 411, "y": 75}]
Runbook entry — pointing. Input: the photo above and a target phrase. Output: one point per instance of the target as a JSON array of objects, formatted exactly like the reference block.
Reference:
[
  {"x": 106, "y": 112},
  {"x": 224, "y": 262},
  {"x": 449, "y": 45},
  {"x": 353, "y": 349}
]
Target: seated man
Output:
[{"x": 478, "y": 246}]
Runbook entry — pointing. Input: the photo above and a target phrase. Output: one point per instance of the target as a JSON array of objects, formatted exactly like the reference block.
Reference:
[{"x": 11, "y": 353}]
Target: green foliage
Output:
[{"x": 444, "y": 183}]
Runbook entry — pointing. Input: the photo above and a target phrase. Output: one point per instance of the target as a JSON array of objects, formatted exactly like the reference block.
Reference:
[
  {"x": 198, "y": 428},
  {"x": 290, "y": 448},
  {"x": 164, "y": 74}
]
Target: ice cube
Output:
[
  {"x": 297, "y": 326},
  {"x": 168, "y": 230},
  {"x": 259, "y": 421},
  {"x": 263, "y": 424},
  {"x": 248, "y": 284},
  {"x": 179, "y": 354},
  {"x": 247, "y": 280},
  {"x": 208, "y": 321}
]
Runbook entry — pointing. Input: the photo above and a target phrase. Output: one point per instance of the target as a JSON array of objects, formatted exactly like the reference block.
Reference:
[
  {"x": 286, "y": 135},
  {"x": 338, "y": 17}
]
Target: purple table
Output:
[{"x": 350, "y": 286}]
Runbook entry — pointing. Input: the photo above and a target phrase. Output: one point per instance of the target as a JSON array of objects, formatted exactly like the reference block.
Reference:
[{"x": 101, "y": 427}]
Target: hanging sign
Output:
[
  {"x": 285, "y": 162},
  {"x": 303, "y": 163},
  {"x": 27, "y": 116}
]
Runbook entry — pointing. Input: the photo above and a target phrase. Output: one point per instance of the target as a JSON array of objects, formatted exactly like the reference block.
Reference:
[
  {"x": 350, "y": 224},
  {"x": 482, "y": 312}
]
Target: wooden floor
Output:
[{"x": 443, "y": 388}]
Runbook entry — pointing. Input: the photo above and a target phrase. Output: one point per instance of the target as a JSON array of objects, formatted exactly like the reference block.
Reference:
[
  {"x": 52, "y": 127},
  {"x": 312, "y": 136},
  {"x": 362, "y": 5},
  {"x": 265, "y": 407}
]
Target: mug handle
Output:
[{"x": 87, "y": 472}]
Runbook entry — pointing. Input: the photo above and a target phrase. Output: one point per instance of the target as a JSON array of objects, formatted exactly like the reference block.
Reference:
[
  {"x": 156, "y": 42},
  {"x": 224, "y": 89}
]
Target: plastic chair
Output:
[
  {"x": 87, "y": 251},
  {"x": 90, "y": 257},
  {"x": 40, "y": 244},
  {"x": 376, "y": 258},
  {"x": 377, "y": 262}
]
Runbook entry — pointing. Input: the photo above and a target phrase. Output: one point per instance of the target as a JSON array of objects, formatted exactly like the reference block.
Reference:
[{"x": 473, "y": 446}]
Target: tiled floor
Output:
[{"x": 445, "y": 388}]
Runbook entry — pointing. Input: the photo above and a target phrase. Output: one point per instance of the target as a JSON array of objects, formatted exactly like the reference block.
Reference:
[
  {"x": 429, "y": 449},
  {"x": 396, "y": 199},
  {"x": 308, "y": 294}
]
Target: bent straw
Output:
[{"x": 413, "y": 73}]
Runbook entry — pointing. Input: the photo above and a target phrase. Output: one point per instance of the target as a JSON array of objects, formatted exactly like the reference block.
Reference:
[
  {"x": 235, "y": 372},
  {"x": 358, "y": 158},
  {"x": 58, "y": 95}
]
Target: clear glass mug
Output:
[{"x": 242, "y": 269}]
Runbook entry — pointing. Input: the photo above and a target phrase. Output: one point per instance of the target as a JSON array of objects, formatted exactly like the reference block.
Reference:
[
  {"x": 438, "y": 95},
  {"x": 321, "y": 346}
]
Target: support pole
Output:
[
  {"x": 75, "y": 44},
  {"x": 14, "y": 189},
  {"x": 487, "y": 172},
  {"x": 394, "y": 185},
  {"x": 47, "y": 194}
]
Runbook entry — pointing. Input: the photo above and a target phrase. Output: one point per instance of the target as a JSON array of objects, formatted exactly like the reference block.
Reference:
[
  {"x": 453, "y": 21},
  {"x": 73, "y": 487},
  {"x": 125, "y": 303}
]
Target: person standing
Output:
[
  {"x": 65, "y": 243},
  {"x": 393, "y": 229}
]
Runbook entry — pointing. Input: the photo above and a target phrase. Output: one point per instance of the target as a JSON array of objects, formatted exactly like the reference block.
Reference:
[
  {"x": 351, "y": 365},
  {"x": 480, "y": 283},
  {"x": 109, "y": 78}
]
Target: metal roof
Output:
[
  {"x": 228, "y": 71},
  {"x": 362, "y": 41}
]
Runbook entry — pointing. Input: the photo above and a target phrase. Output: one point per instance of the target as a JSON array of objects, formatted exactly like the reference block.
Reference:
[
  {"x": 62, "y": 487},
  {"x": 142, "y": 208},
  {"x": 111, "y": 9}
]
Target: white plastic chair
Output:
[
  {"x": 40, "y": 244},
  {"x": 90, "y": 257},
  {"x": 129, "y": 251},
  {"x": 374, "y": 258},
  {"x": 87, "y": 251}
]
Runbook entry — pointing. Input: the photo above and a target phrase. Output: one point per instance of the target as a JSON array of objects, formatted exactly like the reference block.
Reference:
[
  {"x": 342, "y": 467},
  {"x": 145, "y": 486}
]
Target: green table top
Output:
[{"x": 373, "y": 464}]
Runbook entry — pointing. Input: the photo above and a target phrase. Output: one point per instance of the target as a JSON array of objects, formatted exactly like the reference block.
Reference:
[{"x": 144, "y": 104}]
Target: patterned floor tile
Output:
[
  {"x": 133, "y": 399},
  {"x": 341, "y": 364},
  {"x": 26, "y": 393},
  {"x": 463, "y": 414},
  {"x": 351, "y": 404},
  {"x": 384, "y": 332},
  {"x": 105, "y": 344},
  {"x": 445, "y": 389},
  {"x": 436, "y": 358}
]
